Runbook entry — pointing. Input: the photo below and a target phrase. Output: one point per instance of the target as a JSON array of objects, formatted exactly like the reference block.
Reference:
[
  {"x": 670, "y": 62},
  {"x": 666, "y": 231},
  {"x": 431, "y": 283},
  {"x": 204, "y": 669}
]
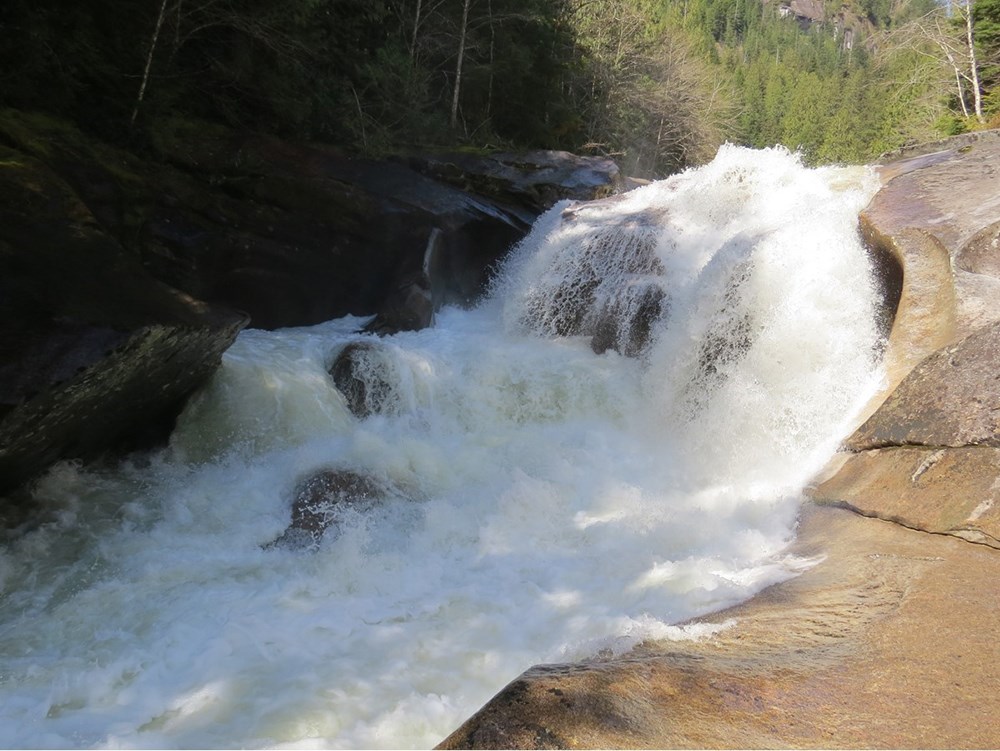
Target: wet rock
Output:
[
  {"x": 409, "y": 307},
  {"x": 358, "y": 372},
  {"x": 609, "y": 288},
  {"x": 849, "y": 653},
  {"x": 97, "y": 355},
  {"x": 319, "y": 502},
  {"x": 625, "y": 323}
]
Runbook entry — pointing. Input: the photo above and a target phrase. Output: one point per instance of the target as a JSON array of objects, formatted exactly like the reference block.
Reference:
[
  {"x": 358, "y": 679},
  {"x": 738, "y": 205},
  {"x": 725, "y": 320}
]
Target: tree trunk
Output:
[
  {"x": 149, "y": 63},
  {"x": 489, "y": 88},
  {"x": 458, "y": 65},
  {"x": 416, "y": 26},
  {"x": 973, "y": 63},
  {"x": 958, "y": 79}
]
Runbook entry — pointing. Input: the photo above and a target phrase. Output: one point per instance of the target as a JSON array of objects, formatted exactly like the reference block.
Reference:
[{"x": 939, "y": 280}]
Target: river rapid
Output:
[{"x": 544, "y": 503}]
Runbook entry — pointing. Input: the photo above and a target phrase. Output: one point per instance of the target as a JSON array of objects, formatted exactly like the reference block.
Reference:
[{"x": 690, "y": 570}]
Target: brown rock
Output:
[
  {"x": 981, "y": 255},
  {"x": 952, "y": 398},
  {"x": 358, "y": 374},
  {"x": 953, "y": 491},
  {"x": 889, "y": 642},
  {"x": 319, "y": 502}
]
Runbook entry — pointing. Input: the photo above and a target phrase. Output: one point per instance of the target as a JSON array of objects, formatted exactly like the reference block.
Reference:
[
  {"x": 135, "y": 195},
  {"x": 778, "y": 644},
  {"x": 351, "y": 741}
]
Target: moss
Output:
[
  {"x": 52, "y": 140},
  {"x": 194, "y": 144},
  {"x": 33, "y": 132}
]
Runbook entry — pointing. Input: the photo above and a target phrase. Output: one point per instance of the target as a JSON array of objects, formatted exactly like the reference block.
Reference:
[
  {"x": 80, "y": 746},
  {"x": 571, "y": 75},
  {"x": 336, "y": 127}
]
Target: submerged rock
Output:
[
  {"x": 609, "y": 288},
  {"x": 625, "y": 322},
  {"x": 358, "y": 373},
  {"x": 320, "y": 501}
]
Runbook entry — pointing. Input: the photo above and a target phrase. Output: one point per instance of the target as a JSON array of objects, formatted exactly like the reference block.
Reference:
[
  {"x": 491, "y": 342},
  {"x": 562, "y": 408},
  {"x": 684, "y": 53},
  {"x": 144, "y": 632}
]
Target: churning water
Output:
[{"x": 543, "y": 502}]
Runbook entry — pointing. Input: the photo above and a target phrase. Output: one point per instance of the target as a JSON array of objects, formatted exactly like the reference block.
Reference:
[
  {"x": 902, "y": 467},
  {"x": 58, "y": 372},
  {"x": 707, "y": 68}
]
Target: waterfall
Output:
[{"x": 613, "y": 442}]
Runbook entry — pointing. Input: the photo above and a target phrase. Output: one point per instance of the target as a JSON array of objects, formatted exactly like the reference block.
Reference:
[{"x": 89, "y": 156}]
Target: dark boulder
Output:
[
  {"x": 312, "y": 224},
  {"x": 298, "y": 234},
  {"x": 625, "y": 322},
  {"x": 95, "y": 354},
  {"x": 359, "y": 374},
  {"x": 292, "y": 234},
  {"x": 608, "y": 287},
  {"x": 319, "y": 503},
  {"x": 533, "y": 180}
]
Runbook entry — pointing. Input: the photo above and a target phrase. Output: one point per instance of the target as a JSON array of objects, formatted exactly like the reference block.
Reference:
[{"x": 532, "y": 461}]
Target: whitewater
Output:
[{"x": 544, "y": 502}]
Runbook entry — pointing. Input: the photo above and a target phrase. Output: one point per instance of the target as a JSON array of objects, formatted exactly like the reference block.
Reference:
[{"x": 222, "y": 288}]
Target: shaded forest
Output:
[{"x": 657, "y": 84}]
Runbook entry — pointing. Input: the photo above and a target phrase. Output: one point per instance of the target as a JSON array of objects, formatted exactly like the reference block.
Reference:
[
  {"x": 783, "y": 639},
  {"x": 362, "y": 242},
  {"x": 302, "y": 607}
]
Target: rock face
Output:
[
  {"x": 294, "y": 234},
  {"x": 942, "y": 491},
  {"x": 533, "y": 180},
  {"x": 306, "y": 227},
  {"x": 95, "y": 352},
  {"x": 888, "y": 642},
  {"x": 952, "y": 398},
  {"x": 925, "y": 458},
  {"x": 120, "y": 277}
]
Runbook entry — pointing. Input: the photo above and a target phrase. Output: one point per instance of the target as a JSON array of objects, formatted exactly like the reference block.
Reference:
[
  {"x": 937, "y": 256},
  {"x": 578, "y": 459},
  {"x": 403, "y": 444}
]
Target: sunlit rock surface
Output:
[
  {"x": 951, "y": 399},
  {"x": 888, "y": 640},
  {"x": 888, "y": 643}
]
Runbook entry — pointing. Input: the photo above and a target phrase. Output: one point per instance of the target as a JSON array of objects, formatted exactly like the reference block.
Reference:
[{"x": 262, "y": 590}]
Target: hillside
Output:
[{"x": 656, "y": 84}]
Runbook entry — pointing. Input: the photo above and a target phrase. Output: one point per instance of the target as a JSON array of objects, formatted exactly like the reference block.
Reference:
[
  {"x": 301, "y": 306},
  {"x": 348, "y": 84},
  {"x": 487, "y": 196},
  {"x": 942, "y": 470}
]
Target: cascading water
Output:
[{"x": 543, "y": 502}]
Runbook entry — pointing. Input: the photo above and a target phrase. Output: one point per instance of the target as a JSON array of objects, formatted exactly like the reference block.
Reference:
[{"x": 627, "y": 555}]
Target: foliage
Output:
[{"x": 656, "y": 83}]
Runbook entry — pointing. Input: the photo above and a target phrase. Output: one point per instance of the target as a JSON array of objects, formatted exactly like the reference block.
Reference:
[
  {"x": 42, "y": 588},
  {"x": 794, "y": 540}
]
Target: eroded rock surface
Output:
[
  {"x": 944, "y": 491},
  {"x": 888, "y": 640},
  {"x": 952, "y": 398},
  {"x": 888, "y": 643}
]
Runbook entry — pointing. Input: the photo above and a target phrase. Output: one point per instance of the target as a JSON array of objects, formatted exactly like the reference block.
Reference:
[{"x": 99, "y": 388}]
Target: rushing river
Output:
[{"x": 545, "y": 503}]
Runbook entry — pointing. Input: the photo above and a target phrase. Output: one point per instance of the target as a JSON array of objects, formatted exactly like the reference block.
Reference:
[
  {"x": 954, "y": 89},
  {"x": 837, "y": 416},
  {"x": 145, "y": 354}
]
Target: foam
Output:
[{"x": 549, "y": 503}]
